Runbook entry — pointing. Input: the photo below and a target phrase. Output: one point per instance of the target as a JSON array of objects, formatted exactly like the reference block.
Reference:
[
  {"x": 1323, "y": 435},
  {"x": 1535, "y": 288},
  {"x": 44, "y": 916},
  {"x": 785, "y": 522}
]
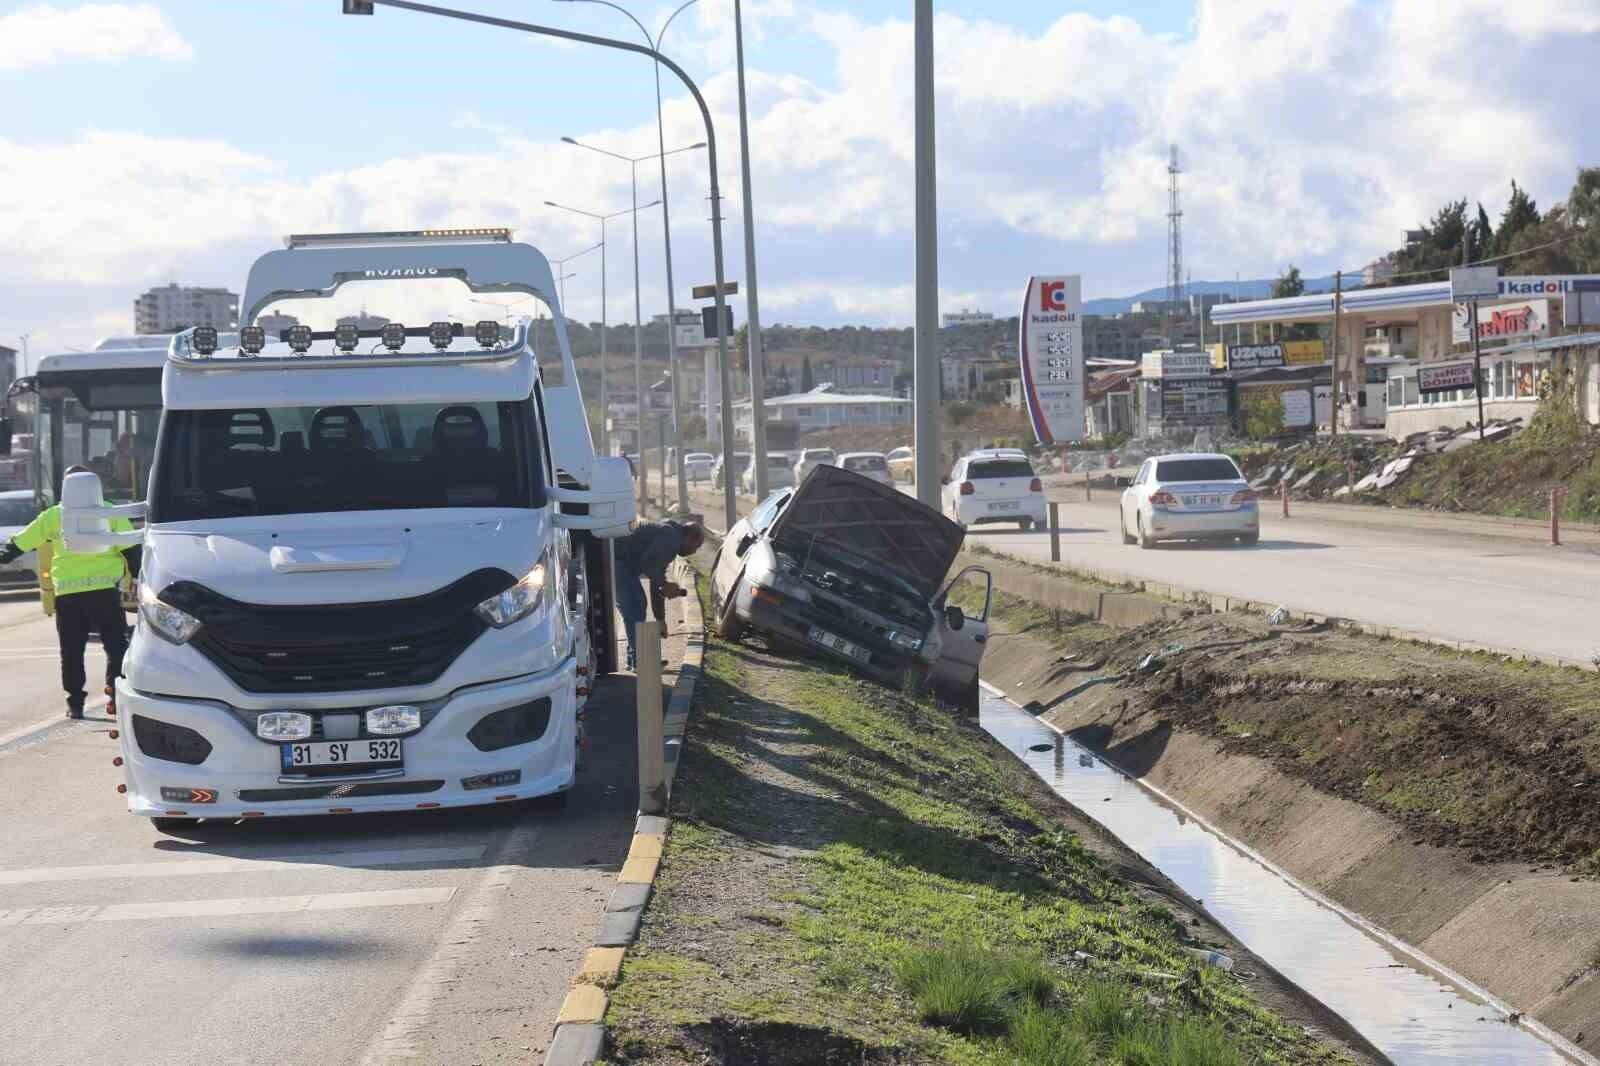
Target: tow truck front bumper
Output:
[{"x": 242, "y": 776}]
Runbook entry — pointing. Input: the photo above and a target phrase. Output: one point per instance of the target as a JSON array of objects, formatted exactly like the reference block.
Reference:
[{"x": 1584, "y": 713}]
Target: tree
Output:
[
  {"x": 1521, "y": 213},
  {"x": 1289, "y": 283},
  {"x": 807, "y": 379},
  {"x": 1583, "y": 214}
]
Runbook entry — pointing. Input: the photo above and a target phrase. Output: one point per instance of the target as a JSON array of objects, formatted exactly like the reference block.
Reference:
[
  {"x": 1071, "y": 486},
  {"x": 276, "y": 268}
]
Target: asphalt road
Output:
[
  {"x": 426, "y": 937},
  {"x": 1447, "y": 577}
]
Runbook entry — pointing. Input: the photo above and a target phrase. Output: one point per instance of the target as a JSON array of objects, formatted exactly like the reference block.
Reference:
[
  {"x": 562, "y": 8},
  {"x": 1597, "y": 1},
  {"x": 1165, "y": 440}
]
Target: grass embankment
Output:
[
  {"x": 1466, "y": 750},
  {"x": 854, "y": 876}
]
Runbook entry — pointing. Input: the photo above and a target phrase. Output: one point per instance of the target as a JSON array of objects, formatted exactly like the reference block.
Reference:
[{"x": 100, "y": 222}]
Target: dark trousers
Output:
[{"x": 79, "y": 614}]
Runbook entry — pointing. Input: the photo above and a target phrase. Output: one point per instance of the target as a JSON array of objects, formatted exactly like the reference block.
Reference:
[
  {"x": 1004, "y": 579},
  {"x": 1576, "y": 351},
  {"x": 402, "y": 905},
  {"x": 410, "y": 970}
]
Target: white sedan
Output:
[
  {"x": 868, "y": 464},
  {"x": 698, "y": 466},
  {"x": 16, "y": 511},
  {"x": 1189, "y": 497}
]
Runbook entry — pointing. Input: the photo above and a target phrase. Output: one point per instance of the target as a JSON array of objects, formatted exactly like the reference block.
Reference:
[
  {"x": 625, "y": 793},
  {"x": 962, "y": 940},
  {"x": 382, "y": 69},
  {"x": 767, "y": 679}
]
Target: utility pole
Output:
[
  {"x": 1338, "y": 320},
  {"x": 758, "y": 361},
  {"x": 926, "y": 430},
  {"x": 1477, "y": 366}
]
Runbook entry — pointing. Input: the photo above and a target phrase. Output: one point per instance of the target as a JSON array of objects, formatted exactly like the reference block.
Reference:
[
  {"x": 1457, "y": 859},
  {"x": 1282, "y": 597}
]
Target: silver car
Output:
[
  {"x": 16, "y": 511},
  {"x": 1189, "y": 497}
]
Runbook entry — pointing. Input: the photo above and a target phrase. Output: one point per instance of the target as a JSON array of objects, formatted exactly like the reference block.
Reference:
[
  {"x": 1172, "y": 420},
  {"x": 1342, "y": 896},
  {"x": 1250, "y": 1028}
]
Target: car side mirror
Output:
[
  {"x": 954, "y": 617},
  {"x": 744, "y": 543},
  {"x": 5, "y": 436}
]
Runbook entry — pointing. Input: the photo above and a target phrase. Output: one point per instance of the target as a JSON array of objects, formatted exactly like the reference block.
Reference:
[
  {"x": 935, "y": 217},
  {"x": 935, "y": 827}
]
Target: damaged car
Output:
[{"x": 853, "y": 569}]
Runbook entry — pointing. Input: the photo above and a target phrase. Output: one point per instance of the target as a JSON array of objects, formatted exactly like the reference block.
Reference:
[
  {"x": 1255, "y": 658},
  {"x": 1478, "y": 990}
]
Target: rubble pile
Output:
[{"x": 1338, "y": 466}]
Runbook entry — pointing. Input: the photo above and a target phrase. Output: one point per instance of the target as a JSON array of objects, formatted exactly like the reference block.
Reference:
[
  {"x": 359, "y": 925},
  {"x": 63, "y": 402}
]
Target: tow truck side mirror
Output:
[
  {"x": 606, "y": 507},
  {"x": 5, "y": 436}
]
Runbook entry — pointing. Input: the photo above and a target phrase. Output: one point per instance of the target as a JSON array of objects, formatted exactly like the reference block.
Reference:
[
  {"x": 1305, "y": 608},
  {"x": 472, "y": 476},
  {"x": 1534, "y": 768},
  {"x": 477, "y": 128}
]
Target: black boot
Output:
[{"x": 75, "y": 707}]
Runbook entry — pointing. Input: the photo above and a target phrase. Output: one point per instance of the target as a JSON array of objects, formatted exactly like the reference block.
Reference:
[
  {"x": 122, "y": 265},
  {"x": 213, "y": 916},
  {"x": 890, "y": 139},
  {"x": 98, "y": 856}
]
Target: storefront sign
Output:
[
  {"x": 1050, "y": 347},
  {"x": 1542, "y": 285},
  {"x": 1194, "y": 398},
  {"x": 1304, "y": 353},
  {"x": 1444, "y": 377},
  {"x": 1528, "y": 318},
  {"x": 1176, "y": 365},
  {"x": 1296, "y": 408},
  {"x": 1254, "y": 356}
]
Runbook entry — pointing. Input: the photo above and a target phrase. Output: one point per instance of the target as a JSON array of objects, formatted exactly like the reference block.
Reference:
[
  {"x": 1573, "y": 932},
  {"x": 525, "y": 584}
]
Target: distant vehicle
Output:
[
  {"x": 1189, "y": 497},
  {"x": 17, "y": 509},
  {"x": 855, "y": 569},
  {"x": 780, "y": 475},
  {"x": 810, "y": 459},
  {"x": 698, "y": 466},
  {"x": 994, "y": 485},
  {"x": 867, "y": 464},
  {"x": 740, "y": 461},
  {"x": 902, "y": 463},
  {"x": 15, "y": 468}
]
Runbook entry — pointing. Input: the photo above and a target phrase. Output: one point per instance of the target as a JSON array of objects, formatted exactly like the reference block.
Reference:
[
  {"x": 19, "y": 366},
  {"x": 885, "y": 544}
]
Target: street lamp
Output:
[
  {"x": 729, "y": 501},
  {"x": 666, "y": 230},
  {"x": 560, "y": 265},
  {"x": 605, "y": 433},
  {"x": 638, "y": 317}
]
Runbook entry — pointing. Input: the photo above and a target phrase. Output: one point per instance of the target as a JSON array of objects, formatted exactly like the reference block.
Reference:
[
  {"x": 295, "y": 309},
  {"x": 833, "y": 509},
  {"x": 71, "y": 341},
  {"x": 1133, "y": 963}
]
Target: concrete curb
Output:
[
  {"x": 1147, "y": 600},
  {"x": 580, "y": 1032}
]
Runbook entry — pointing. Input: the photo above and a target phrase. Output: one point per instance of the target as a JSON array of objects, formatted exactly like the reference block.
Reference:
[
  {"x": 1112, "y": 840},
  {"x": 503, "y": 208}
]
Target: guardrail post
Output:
[
  {"x": 1283, "y": 494},
  {"x": 647, "y": 689},
  {"x": 1556, "y": 497},
  {"x": 1088, "y": 487},
  {"x": 1055, "y": 532}
]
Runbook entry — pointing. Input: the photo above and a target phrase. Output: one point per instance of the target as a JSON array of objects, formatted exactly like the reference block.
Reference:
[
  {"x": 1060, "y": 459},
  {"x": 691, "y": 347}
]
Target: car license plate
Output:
[
  {"x": 1009, "y": 505},
  {"x": 365, "y": 754},
  {"x": 1202, "y": 501},
  {"x": 838, "y": 644}
]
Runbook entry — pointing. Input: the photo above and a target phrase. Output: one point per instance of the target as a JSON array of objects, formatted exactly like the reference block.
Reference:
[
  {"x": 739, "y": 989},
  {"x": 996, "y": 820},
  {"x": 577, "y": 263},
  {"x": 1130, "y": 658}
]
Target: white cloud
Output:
[{"x": 45, "y": 34}]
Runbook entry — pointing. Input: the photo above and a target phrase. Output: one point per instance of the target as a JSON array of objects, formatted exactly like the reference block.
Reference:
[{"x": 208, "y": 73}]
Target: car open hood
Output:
[{"x": 874, "y": 522}]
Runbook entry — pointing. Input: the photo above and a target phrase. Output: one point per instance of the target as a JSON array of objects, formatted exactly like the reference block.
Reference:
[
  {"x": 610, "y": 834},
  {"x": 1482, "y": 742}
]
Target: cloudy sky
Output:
[{"x": 143, "y": 142}]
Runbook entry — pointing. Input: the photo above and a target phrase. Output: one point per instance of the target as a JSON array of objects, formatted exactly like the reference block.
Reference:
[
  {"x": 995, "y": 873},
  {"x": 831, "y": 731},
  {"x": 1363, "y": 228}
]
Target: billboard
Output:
[
  {"x": 1254, "y": 356},
  {"x": 1444, "y": 377},
  {"x": 1050, "y": 348},
  {"x": 1527, "y": 318},
  {"x": 1176, "y": 365}
]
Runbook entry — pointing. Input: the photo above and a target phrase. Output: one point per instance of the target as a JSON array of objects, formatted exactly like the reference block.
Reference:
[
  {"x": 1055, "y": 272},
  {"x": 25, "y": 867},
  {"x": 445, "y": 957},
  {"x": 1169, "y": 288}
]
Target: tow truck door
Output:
[{"x": 954, "y": 674}]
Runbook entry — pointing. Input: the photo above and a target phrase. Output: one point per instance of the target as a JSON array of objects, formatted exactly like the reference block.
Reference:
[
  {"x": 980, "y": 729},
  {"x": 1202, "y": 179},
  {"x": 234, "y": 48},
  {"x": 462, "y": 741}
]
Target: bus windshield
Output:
[{"x": 296, "y": 460}]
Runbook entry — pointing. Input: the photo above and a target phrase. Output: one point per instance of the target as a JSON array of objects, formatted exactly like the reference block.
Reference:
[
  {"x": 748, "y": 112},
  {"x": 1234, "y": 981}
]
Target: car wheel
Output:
[
  {"x": 729, "y": 627},
  {"x": 1122, "y": 527},
  {"x": 1146, "y": 541},
  {"x": 1249, "y": 540},
  {"x": 1025, "y": 523}
]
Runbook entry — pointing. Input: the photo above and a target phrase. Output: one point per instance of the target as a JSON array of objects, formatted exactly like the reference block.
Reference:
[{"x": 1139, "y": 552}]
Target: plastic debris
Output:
[
  {"x": 1211, "y": 958},
  {"x": 1279, "y": 617}
]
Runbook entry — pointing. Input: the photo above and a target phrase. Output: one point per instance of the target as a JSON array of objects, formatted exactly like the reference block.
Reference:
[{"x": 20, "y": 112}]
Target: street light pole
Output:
[
  {"x": 758, "y": 359},
  {"x": 729, "y": 501},
  {"x": 666, "y": 232},
  {"x": 926, "y": 429}
]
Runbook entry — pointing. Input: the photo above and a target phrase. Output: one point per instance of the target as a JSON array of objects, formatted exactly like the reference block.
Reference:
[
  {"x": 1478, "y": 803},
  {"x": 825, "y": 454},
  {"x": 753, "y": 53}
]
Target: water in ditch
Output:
[{"x": 1411, "y": 1015}]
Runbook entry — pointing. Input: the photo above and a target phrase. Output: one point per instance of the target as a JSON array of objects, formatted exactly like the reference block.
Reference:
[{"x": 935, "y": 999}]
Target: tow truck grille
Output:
[{"x": 338, "y": 648}]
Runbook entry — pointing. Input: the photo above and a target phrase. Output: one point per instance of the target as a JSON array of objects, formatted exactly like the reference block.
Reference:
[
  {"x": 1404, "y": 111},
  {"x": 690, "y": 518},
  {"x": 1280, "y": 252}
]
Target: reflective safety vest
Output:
[{"x": 72, "y": 571}]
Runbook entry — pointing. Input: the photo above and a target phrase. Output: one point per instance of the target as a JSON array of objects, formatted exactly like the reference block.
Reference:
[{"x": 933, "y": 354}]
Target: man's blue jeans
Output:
[{"x": 630, "y": 603}]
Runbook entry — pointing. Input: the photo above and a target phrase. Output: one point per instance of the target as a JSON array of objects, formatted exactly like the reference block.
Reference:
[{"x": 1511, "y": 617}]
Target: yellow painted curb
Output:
[
  {"x": 639, "y": 871},
  {"x": 601, "y": 966},
  {"x": 585, "y": 1004},
  {"x": 646, "y": 846}
]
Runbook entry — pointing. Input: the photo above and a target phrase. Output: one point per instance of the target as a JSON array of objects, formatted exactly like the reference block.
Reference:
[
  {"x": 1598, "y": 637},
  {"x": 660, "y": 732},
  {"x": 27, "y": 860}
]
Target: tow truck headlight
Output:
[
  {"x": 531, "y": 594},
  {"x": 168, "y": 622},
  {"x": 396, "y": 718},
  {"x": 283, "y": 725}
]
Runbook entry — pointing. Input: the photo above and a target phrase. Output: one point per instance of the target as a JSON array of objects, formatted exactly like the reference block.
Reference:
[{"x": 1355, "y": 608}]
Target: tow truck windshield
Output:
[{"x": 291, "y": 460}]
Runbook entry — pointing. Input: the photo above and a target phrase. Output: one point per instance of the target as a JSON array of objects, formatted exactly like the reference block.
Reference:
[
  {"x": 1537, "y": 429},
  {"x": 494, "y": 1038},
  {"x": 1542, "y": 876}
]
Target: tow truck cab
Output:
[{"x": 374, "y": 569}]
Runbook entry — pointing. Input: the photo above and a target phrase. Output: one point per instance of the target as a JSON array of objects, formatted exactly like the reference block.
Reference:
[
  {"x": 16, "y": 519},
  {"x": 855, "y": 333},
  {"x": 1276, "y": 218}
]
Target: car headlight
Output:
[
  {"x": 908, "y": 641},
  {"x": 169, "y": 623},
  {"x": 760, "y": 565},
  {"x": 531, "y": 594}
]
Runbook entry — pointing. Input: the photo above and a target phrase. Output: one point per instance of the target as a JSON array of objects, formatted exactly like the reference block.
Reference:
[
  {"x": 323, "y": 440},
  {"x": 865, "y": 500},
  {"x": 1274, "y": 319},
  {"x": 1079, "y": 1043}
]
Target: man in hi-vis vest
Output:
[{"x": 87, "y": 599}]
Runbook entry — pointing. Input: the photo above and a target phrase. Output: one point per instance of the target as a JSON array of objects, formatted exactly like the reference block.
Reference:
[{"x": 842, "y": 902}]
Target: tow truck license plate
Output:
[
  {"x": 362, "y": 753},
  {"x": 838, "y": 644}
]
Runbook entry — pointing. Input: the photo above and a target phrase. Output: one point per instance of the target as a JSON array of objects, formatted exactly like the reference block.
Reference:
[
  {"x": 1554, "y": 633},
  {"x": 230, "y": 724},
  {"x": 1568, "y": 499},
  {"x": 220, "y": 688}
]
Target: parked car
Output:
[
  {"x": 1189, "y": 497},
  {"x": 16, "y": 511},
  {"x": 994, "y": 485},
  {"x": 780, "y": 473},
  {"x": 867, "y": 464},
  {"x": 855, "y": 569},
  {"x": 698, "y": 466},
  {"x": 718, "y": 471},
  {"x": 902, "y": 463},
  {"x": 811, "y": 458}
]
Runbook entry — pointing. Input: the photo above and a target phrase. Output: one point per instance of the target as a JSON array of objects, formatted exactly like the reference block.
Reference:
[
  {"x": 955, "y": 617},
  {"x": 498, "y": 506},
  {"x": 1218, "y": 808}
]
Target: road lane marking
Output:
[
  {"x": 42, "y": 724},
  {"x": 223, "y": 908},
  {"x": 266, "y": 864},
  {"x": 456, "y": 944}
]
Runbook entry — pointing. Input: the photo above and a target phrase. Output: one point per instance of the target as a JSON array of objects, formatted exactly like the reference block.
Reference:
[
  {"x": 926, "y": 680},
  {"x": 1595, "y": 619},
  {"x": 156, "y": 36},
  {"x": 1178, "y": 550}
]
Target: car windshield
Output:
[
  {"x": 294, "y": 460},
  {"x": 16, "y": 512},
  {"x": 997, "y": 468},
  {"x": 821, "y": 455},
  {"x": 1213, "y": 469},
  {"x": 864, "y": 462}
]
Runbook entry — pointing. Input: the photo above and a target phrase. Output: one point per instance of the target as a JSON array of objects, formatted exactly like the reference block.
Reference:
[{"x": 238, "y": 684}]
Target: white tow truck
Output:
[{"x": 374, "y": 564}]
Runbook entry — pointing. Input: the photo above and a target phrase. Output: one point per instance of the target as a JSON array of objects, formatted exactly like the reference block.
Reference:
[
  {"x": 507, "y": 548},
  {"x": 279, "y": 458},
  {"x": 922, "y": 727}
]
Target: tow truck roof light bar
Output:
[
  {"x": 476, "y": 235},
  {"x": 183, "y": 353}
]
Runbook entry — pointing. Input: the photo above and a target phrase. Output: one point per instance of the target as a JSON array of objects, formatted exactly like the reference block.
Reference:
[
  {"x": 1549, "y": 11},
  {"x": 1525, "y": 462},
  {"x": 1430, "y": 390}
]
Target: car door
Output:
[{"x": 953, "y": 677}]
